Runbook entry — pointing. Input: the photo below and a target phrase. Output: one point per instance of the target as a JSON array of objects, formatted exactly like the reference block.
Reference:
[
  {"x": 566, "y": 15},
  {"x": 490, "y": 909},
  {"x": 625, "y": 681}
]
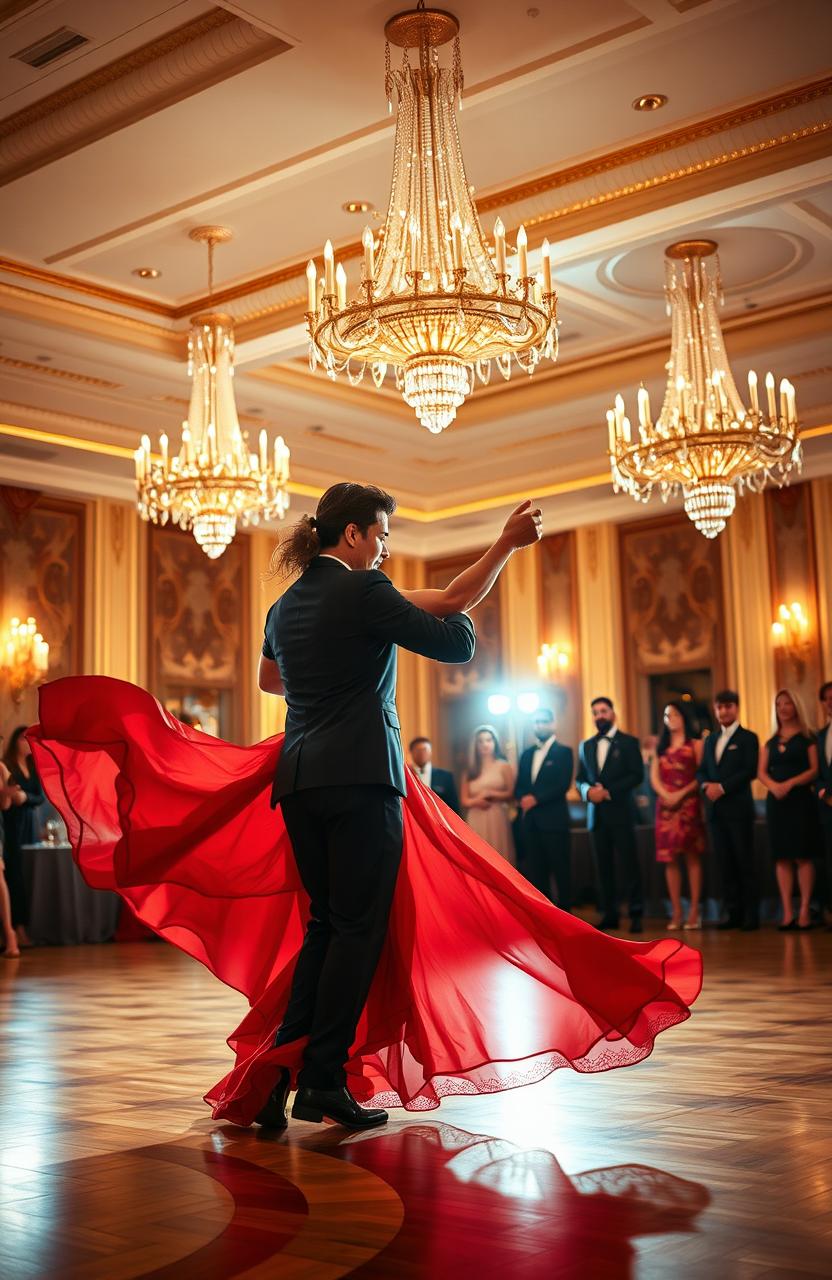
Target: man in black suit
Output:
[
  {"x": 330, "y": 648},
  {"x": 610, "y": 767},
  {"x": 823, "y": 786},
  {"x": 729, "y": 766},
  {"x": 440, "y": 781},
  {"x": 543, "y": 778}
]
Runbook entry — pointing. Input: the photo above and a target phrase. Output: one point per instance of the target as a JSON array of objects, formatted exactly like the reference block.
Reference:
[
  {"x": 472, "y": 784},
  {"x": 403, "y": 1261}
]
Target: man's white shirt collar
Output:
[
  {"x": 325, "y": 555},
  {"x": 728, "y": 731}
]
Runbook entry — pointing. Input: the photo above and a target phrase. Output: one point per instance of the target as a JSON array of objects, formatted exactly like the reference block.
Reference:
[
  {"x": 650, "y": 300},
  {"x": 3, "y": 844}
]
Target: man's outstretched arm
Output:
[{"x": 522, "y": 529}]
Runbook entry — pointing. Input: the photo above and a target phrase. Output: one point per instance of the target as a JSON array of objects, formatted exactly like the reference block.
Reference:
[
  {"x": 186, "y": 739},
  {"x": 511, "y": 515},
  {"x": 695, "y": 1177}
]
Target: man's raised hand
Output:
[{"x": 524, "y": 526}]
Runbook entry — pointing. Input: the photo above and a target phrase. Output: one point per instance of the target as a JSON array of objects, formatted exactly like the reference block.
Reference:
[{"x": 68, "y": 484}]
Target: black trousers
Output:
[
  {"x": 826, "y": 838},
  {"x": 547, "y": 854},
  {"x": 609, "y": 839},
  {"x": 347, "y": 843},
  {"x": 733, "y": 841}
]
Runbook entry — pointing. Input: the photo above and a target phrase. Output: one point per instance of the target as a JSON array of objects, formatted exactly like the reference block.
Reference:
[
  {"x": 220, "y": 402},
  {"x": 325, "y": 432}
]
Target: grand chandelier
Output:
[
  {"x": 705, "y": 442},
  {"x": 432, "y": 303},
  {"x": 24, "y": 656},
  {"x": 214, "y": 480}
]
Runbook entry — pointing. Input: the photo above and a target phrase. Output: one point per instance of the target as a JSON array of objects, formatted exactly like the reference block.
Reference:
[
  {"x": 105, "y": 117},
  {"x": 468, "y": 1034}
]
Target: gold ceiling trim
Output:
[
  {"x": 217, "y": 45},
  {"x": 415, "y": 514},
  {"x": 800, "y": 95},
  {"x": 664, "y": 142},
  {"x": 32, "y": 366}
]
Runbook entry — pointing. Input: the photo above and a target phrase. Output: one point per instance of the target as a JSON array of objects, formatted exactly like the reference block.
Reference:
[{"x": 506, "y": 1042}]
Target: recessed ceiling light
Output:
[
  {"x": 357, "y": 206},
  {"x": 44, "y": 359},
  {"x": 650, "y": 102},
  {"x": 147, "y": 273},
  {"x": 315, "y": 430}
]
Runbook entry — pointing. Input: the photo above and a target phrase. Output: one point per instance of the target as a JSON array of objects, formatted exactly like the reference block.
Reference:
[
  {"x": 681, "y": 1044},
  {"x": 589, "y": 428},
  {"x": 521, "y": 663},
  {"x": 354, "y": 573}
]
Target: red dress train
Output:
[{"x": 483, "y": 985}]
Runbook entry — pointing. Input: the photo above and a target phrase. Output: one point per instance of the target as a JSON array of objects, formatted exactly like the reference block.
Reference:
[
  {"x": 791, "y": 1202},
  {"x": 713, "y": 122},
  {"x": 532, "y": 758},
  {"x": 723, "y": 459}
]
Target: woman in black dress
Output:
[
  {"x": 788, "y": 767},
  {"x": 10, "y": 794},
  {"x": 21, "y": 826}
]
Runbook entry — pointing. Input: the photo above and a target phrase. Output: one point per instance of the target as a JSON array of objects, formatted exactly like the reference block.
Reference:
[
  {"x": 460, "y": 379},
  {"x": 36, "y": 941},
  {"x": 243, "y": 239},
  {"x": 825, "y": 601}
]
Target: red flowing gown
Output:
[{"x": 482, "y": 985}]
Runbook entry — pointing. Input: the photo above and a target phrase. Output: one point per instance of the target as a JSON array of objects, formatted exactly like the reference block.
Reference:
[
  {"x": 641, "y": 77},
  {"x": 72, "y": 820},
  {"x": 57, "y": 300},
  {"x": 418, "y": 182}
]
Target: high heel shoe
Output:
[
  {"x": 693, "y": 924},
  {"x": 673, "y": 925}
]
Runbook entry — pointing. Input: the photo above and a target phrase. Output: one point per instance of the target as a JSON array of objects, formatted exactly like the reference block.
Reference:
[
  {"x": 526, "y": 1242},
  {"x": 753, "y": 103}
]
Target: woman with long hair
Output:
[
  {"x": 788, "y": 767},
  {"x": 21, "y": 826},
  {"x": 487, "y": 787},
  {"x": 680, "y": 828}
]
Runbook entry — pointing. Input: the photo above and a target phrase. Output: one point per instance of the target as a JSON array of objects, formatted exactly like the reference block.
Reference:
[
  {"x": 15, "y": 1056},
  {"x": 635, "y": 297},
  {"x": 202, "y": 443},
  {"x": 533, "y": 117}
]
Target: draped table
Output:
[{"x": 63, "y": 908}]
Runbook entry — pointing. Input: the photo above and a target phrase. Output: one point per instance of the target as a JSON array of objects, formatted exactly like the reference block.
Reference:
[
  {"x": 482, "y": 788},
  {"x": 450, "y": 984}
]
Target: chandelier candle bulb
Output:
[
  {"x": 163, "y": 445},
  {"x": 792, "y": 404},
  {"x": 367, "y": 241},
  {"x": 500, "y": 246},
  {"x": 772, "y": 407},
  {"x": 546, "y": 254},
  {"x": 522, "y": 252},
  {"x": 329, "y": 270},
  {"x": 537, "y": 292},
  {"x": 341, "y": 286},
  {"x": 611, "y": 430},
  {"x": 414, "y": 246},
  {"x": 311, "y": 287},
  {"x": 752, "y": 392},
  {"x": 784, "y": 404}
]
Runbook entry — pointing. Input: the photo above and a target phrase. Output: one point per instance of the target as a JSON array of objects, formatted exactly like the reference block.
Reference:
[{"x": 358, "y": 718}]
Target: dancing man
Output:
[{"x": 330, "y": 649}]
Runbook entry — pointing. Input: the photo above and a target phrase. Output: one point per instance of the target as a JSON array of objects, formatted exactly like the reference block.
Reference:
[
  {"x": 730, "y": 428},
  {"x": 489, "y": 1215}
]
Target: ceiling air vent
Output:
[{"x": 50, "y": 48}]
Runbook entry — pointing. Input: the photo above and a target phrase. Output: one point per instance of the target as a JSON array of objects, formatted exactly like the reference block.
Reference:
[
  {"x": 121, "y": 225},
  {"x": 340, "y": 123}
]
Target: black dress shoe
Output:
[
  {"x": 636, "y": 925},
  {"x": 607, "y": 922},
  {"x": 273, "y": 1115},
  {"x": 335, "y": 1104}
]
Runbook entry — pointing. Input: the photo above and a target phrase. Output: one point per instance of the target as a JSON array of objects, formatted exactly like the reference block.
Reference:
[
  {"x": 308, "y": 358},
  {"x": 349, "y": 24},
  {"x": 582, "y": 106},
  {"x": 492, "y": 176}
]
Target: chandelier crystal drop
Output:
[
  {"x": 214, "y": 481},
  {"x": 433, "y": 304},
  {"x": 705, "y": 443}
]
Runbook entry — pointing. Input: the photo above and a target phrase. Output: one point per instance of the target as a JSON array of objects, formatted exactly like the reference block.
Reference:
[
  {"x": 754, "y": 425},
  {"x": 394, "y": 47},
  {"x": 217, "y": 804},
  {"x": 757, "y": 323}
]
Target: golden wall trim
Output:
[{"x": 104, "y": 293}]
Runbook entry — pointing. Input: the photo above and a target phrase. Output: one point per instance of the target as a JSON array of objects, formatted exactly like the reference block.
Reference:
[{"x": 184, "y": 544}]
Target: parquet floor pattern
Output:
[{"x": 711, "y": 1159}]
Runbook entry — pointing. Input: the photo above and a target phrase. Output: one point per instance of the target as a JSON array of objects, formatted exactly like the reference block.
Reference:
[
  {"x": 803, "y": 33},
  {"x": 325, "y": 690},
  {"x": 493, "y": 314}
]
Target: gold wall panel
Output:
[{"x": 793, "y": 577}]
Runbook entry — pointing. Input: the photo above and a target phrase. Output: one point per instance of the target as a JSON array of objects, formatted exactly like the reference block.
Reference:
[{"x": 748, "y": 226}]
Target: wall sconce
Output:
[
  {"x": 552, "y": 661},
  {"x": 790, "y": 634},
  {"x": 24, "y": 656}
]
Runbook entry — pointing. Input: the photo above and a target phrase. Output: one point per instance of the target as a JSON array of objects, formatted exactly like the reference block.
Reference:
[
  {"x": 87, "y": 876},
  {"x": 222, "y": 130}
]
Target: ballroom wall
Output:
[{"x": 636, "y": 605}]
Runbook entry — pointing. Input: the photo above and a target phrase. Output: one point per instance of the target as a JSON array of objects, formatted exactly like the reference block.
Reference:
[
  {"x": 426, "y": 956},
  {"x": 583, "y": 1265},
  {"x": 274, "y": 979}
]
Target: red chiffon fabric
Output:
[{"x": 483, "y": 985}]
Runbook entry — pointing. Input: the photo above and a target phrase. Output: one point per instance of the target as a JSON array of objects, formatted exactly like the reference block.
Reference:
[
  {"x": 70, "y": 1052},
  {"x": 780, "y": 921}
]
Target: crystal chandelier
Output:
[
  {"x": 705, "y": 442},
  {"x": 24, "y": 656},
  {"x": 213, "y": 481},
  {"x": 432, "y": 303}
]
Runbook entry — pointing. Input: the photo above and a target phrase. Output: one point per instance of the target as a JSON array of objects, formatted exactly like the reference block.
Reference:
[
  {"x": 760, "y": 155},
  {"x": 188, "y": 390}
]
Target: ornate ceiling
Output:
[{"x": 269, "y": 116}]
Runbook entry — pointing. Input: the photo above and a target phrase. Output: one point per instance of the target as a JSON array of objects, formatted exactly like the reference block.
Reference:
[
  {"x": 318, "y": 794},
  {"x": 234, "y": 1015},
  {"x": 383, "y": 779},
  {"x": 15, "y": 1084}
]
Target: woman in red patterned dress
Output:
[{"x": 680, "y": 827}]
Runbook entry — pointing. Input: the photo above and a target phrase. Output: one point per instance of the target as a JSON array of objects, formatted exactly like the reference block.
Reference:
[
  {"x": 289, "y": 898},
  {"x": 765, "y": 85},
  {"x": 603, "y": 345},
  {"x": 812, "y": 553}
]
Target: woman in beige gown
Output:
[{"x": 486, "y": 790}]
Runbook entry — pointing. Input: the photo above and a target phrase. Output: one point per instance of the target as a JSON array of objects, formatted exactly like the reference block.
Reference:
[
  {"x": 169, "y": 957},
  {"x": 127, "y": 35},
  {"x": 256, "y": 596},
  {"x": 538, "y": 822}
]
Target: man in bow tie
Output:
[
  {"x": 440, "y": 781},
  {"x": 729, "y": 766},
  {"x": 610, "y": 767}
]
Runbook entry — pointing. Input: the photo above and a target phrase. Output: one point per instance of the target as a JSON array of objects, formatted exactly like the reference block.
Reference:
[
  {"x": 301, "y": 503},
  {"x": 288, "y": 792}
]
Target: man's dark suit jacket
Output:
[
  {"x": 333, "y": 635},
  {"x": 442, "y": 784},
  {"x": 554, "y": 778},
  {"x": 735, "y": 772},
  {"x": 623, "y": 771},
  {"x": 823, "y": 783}
]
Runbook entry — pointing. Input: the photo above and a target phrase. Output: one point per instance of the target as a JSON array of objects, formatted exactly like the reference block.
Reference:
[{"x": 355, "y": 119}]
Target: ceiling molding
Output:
[
  {"x": 752, "y": 156},
  {"x": 167, "y": 70}
]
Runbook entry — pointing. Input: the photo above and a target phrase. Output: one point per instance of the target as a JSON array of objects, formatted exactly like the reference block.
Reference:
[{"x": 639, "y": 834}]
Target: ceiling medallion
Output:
[
  {"x": 213, "y": 481},
  {"x": 432, "y": 304},
  {"x": 705, "y": 442}
]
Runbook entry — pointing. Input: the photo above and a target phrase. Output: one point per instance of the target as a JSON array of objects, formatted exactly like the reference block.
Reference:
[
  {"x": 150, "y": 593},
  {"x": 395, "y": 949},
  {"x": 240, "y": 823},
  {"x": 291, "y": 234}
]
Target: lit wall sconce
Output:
[
  {"x": 791, "y": 637},
  {"x": 24, "y": 656},
  {"x": 552, "y": 661}
]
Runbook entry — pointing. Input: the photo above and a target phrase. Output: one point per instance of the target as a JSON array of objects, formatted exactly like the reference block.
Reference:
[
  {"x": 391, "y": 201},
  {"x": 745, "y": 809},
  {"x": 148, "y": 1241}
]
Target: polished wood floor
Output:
[{"x": 711, "y": 1159}]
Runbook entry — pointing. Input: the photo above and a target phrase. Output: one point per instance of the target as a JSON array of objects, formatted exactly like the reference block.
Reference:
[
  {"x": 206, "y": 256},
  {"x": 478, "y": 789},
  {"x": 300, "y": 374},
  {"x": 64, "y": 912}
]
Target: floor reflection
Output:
[{"x": 479, "y": 1205}]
